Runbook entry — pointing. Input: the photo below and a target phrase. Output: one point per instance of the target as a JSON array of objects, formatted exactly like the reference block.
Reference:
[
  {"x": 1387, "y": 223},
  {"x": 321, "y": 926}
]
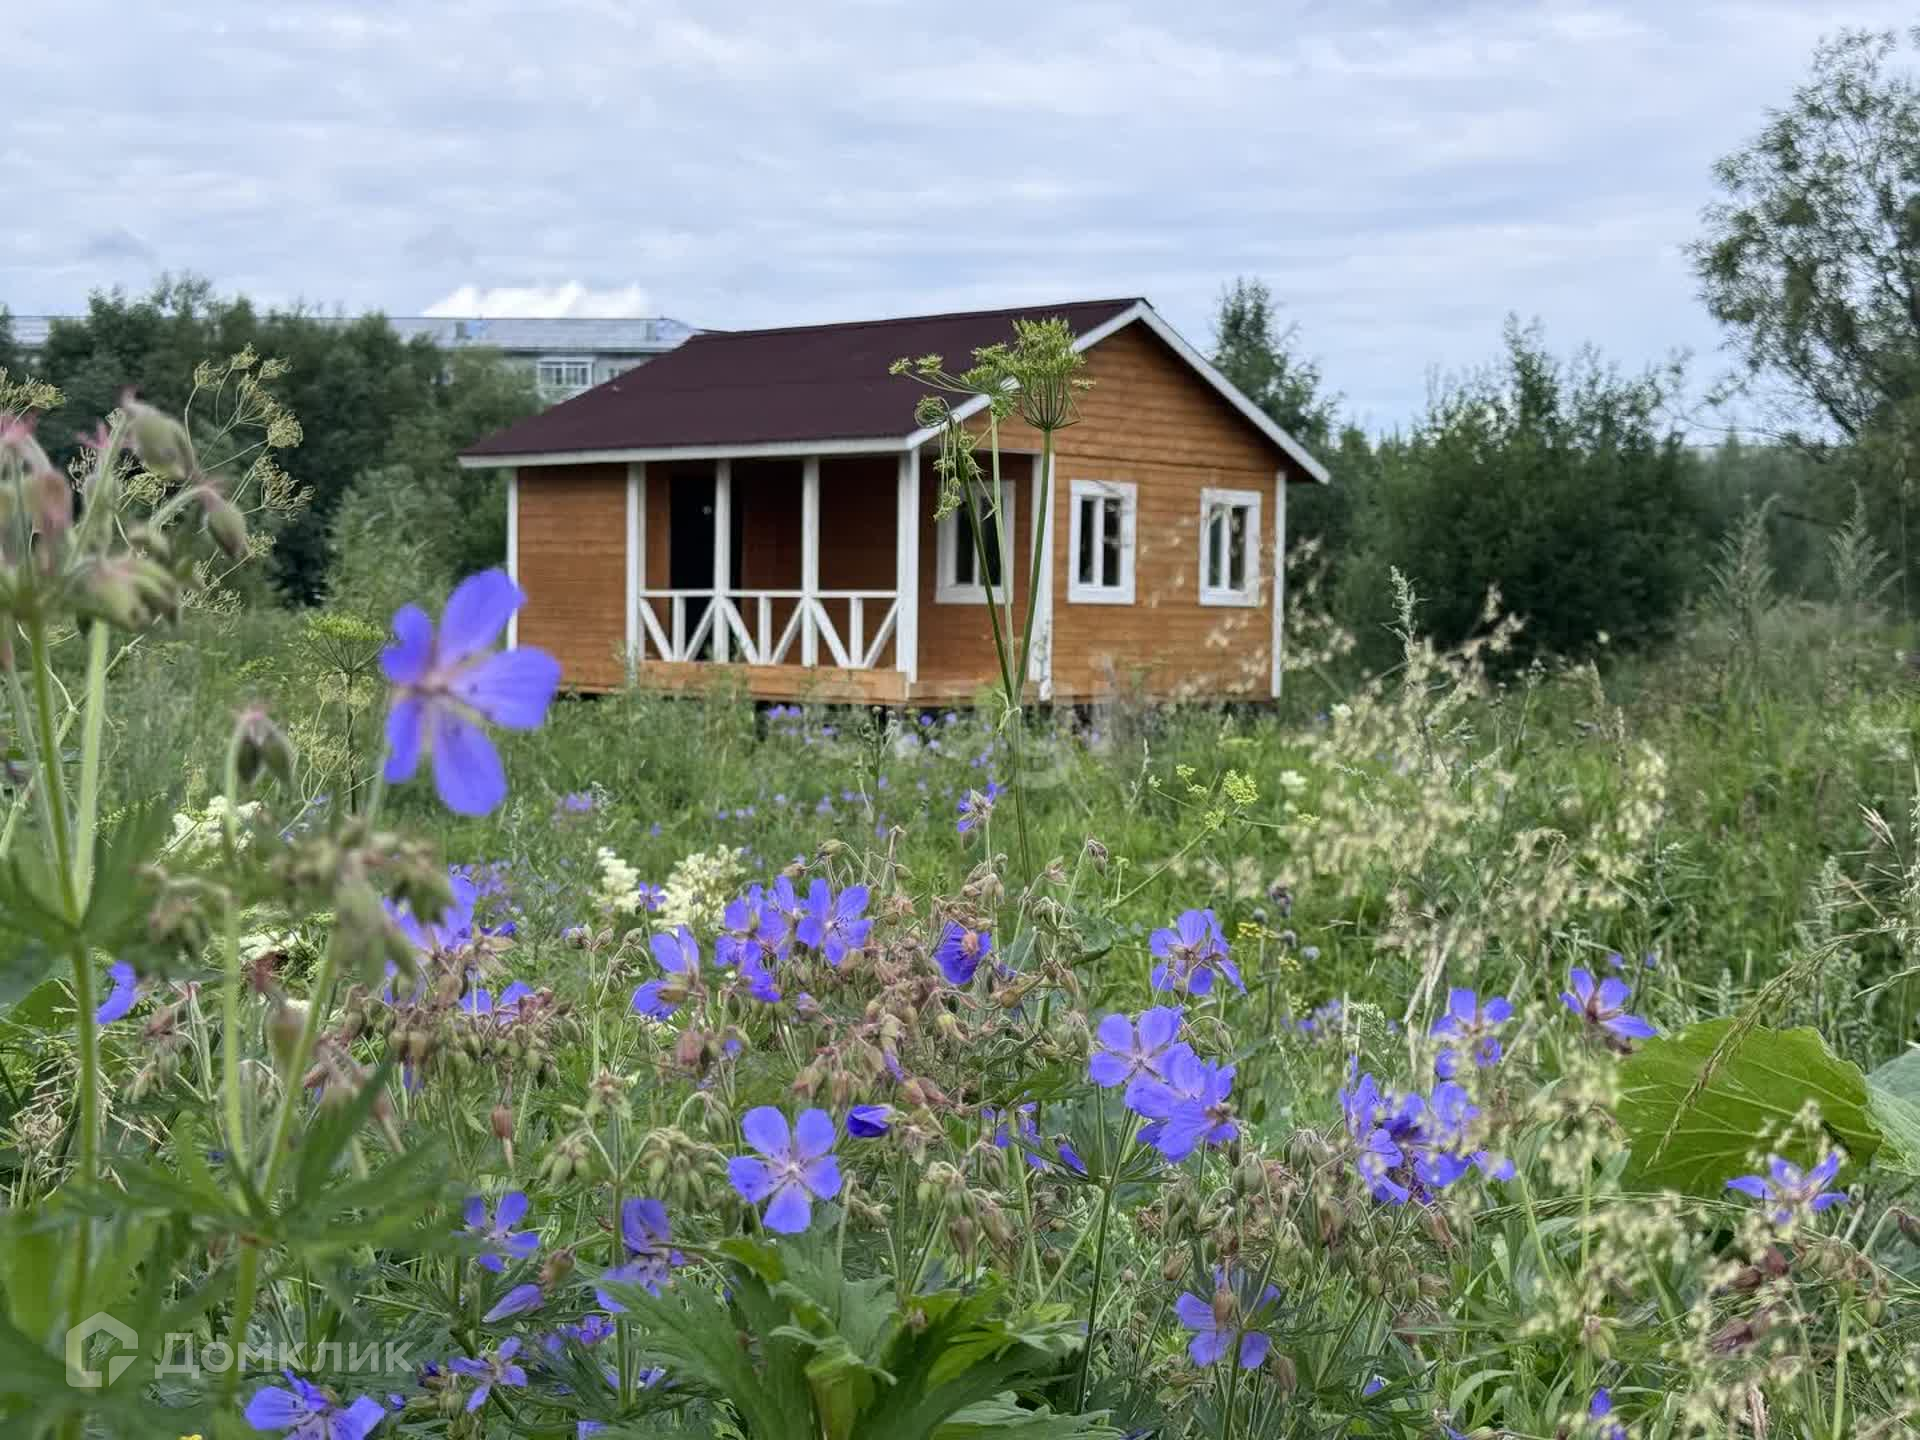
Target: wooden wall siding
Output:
[
  {"x": 956, "y": 646},
  {"x": 572, "y": 564},
  {"x": 1150, "y": 421}
]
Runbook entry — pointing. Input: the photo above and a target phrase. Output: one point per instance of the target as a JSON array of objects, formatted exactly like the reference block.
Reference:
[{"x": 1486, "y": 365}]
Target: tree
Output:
[
  {"x": 1813, "y": 259},
  {"x": 1258, "y": 355},
  {"x": 1558, "y": 483}
]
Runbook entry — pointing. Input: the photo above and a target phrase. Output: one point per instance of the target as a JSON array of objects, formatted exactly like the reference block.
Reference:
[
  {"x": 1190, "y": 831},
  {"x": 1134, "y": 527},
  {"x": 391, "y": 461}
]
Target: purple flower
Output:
[
  {"x": 480, "y": 1001},
  {"x": 835, "y": 925},
  {"x": 517, "y": 1301},
  {"x": 495, "y": 1369},
  {"x": 797, "y": 1167},
  {"x": 652, "y": 897},
  {"x": 310, "y": 1413},
  {"x": 1215, "y": 1337},
  {"x": 1603, "y": 1005},
  {"x": 498, "y": 1230},
  {"x": 126, "y": 990},
  {"x": 1126, "y": 1052},
  {"x": 781, "y": 915},
  {"x": 1188, "y": 1108},
  {"x": 738, "y": 943},
  {"x": 591, "y": 1330},
  {"x": 1029, "y": 1126},
  {"x": 1788, "y": 1188},
  {"x": 1189, "y": 952},
  {"x": 679, "y": 955},
  {"x": 1470, "y": 1024},
  {"x": 960, "y": 952},
  {"x": 576, "y": 802},
  {"x": 446, "y": 684},
  {"x": 1599, "y": 1409},
  {"x": 976, "y": 807},
  {"x": 1442, "y": 1157},
  {"x": 869, "y": 1122},
  {"x": 645, "y": 1231}
]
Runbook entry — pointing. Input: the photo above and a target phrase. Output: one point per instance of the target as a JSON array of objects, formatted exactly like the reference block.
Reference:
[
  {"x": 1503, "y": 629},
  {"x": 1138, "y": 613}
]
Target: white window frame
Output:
[
  {"x": 1212, "y": 500},
  {"x": 1127, "y": 493},
  {"x": 557, "y": 387},
  {"x": 949, "y": 591}
]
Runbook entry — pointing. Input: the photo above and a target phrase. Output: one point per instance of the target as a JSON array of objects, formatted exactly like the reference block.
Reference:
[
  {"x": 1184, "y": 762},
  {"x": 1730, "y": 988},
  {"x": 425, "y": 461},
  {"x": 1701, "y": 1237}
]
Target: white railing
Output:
[{"x": 738, "y": 625}]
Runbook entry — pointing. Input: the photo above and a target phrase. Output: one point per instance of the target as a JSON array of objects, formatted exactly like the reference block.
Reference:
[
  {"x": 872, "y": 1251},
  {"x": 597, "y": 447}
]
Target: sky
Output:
[{"x": 1404, "y": 174}]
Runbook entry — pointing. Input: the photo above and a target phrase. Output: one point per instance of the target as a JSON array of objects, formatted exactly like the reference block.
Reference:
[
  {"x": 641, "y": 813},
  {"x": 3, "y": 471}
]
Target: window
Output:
[
  {"x": 1229, "y": 547},
  {"x": 564, "y": 376},
  {"x": 1100, "y": 543},
  {"x": 958, "y": 581}
]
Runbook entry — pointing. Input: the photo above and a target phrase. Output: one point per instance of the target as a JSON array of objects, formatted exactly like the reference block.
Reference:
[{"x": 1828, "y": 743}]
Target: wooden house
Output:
[{"x": 763, "y": 500}]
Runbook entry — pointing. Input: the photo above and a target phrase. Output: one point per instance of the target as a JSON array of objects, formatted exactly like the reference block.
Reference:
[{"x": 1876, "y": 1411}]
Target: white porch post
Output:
[
  {"x": 809, "y": 558},
  {"x": 513, "y": 550},
  {"x": 1279, "y": 573},
  {"x": 636, "y": 561},
  {"x": 722, "y": 555},
  {"x": 906, "y": 568},
  {"x": 1040, "y": 662}
]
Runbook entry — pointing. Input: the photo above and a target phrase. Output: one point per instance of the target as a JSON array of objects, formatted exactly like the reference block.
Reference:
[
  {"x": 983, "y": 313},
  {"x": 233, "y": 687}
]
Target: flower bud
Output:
[
  {"x": 260, "y": 747},
  {"x": 1173, "y": 1267},
  {"x": 159, "y": 440},
  {"x": 285, "y": 1024},
  {"x": 224, "y": 522},
  {"x": 502, "y": 1122}
]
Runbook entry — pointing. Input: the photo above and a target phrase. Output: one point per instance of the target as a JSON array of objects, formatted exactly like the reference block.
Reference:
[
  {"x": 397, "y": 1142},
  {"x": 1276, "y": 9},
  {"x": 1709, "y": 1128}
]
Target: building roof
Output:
[
  {"x": 557, "y": 335},
  {"x": 806, "y": 383},
  {"x": 808, "y": 388}
]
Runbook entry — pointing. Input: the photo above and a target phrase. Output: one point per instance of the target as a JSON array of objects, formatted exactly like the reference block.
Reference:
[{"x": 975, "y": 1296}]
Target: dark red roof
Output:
[{"x": 756, "y": 387}]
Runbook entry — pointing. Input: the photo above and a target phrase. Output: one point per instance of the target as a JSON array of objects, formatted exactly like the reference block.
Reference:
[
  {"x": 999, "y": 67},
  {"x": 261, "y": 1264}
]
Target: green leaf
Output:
[
  {"x": 1003, "y": 1415},
  {"x": 1693, "y": 1137},
  {"x": 1893, "y": 1094}
]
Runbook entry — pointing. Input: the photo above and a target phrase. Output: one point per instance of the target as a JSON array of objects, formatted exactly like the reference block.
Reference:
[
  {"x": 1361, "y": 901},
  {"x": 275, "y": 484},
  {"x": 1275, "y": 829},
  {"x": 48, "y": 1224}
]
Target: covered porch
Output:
[{"x": 798, "y": 573}]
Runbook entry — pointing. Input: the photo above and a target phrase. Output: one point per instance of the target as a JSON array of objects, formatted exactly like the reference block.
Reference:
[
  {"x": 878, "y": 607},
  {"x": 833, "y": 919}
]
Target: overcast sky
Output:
[{"x": 1402, "y": 172}]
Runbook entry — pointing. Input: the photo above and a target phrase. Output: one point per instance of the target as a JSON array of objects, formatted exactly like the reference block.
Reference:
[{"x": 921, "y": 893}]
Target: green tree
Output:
[
  {"x": 1559, "y": 484},
  {"x": 1261, "y": 357},
  {"x": 1813, "y": 258}
]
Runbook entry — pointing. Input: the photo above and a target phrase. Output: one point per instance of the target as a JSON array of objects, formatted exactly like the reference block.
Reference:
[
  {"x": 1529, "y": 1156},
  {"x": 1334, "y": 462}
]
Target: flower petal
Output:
[
  {"x": 406, "y": 727},
  {"x": 822, "y": 1176},
  {"x": 1253, "y": 1349},
  {"x": 790, "y": 1212},
  {"x": 517, "y": 1301},
  {"x": 126, "y": 990},
  {"x": 476, "y": 613},
  {"x": 466, "y": 768},
  {"x": 766, "y": 1130},
  {"x": 358, "y": 1420},
  {"x": 1193, "y": 1312},
  {"x": 276, "y": 1409},
  {"x": 751, "y": 1179},
  {"x": 406, "y": 661},
  {"x": 1158, "y": 1026},
  {"x": 513, "y": 1209},
  {"x": 512, "y": 688},
  {"x": 814, "y": 1133}
]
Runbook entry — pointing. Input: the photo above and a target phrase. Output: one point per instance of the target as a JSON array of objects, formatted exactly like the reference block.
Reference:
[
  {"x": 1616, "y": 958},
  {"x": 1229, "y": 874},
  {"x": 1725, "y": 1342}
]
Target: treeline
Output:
[
  {"x": 382, "y": 419},
  {"x": 1582, "y": 493}
]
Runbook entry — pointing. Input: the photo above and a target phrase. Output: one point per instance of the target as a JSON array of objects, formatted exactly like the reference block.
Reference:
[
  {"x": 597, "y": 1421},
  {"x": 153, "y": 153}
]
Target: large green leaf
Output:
[
  {"x": 1893, "y": 1095},
  {"x": 1694, "y": 1136}
]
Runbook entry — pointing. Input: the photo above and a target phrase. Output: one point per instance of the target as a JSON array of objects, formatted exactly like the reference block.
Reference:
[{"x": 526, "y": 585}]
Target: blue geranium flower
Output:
[
  {"x": 835, "y": 925},
  {"x": 1788, "y": 1188},
  {"x": 960, "y": 952},
  {"x": 447, "y": 683},
  {"x": 1189, "y": 952},
  {"x": 1603, "y": 1005},
  {"x": 869, "y": 1122},
  {"x": 1222, "y": 1324},
  {"x": 497, "y": 1230},
  {"x": 679, "y": 955},
  {"x": 1129, "y": 1052},
  {"x": 1469, "y": 1024},
  {"x": 495, "y": 1369},
  {"x": 651, "y": 1258},
  {"x": 310, "y": 1413},
  {"x": 796, "y": 1166}
]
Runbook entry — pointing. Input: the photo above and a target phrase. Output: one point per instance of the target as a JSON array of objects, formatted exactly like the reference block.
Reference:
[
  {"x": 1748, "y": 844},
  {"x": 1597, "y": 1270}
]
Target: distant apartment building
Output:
[{"x": 566, "y": 355}]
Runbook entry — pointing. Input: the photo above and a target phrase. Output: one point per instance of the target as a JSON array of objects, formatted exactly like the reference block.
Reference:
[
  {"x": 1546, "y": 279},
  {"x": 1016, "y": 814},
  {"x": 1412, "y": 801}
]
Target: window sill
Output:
[
  {"x": 1099, "y": 595},
  {"x": 1233, "y": 599},
  {"x": 966, "y": 595}
]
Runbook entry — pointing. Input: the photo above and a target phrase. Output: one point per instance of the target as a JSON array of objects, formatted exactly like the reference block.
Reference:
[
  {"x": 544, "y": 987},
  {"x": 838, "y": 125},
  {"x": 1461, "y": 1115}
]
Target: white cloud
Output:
[{"x": 521, "y": 302}]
